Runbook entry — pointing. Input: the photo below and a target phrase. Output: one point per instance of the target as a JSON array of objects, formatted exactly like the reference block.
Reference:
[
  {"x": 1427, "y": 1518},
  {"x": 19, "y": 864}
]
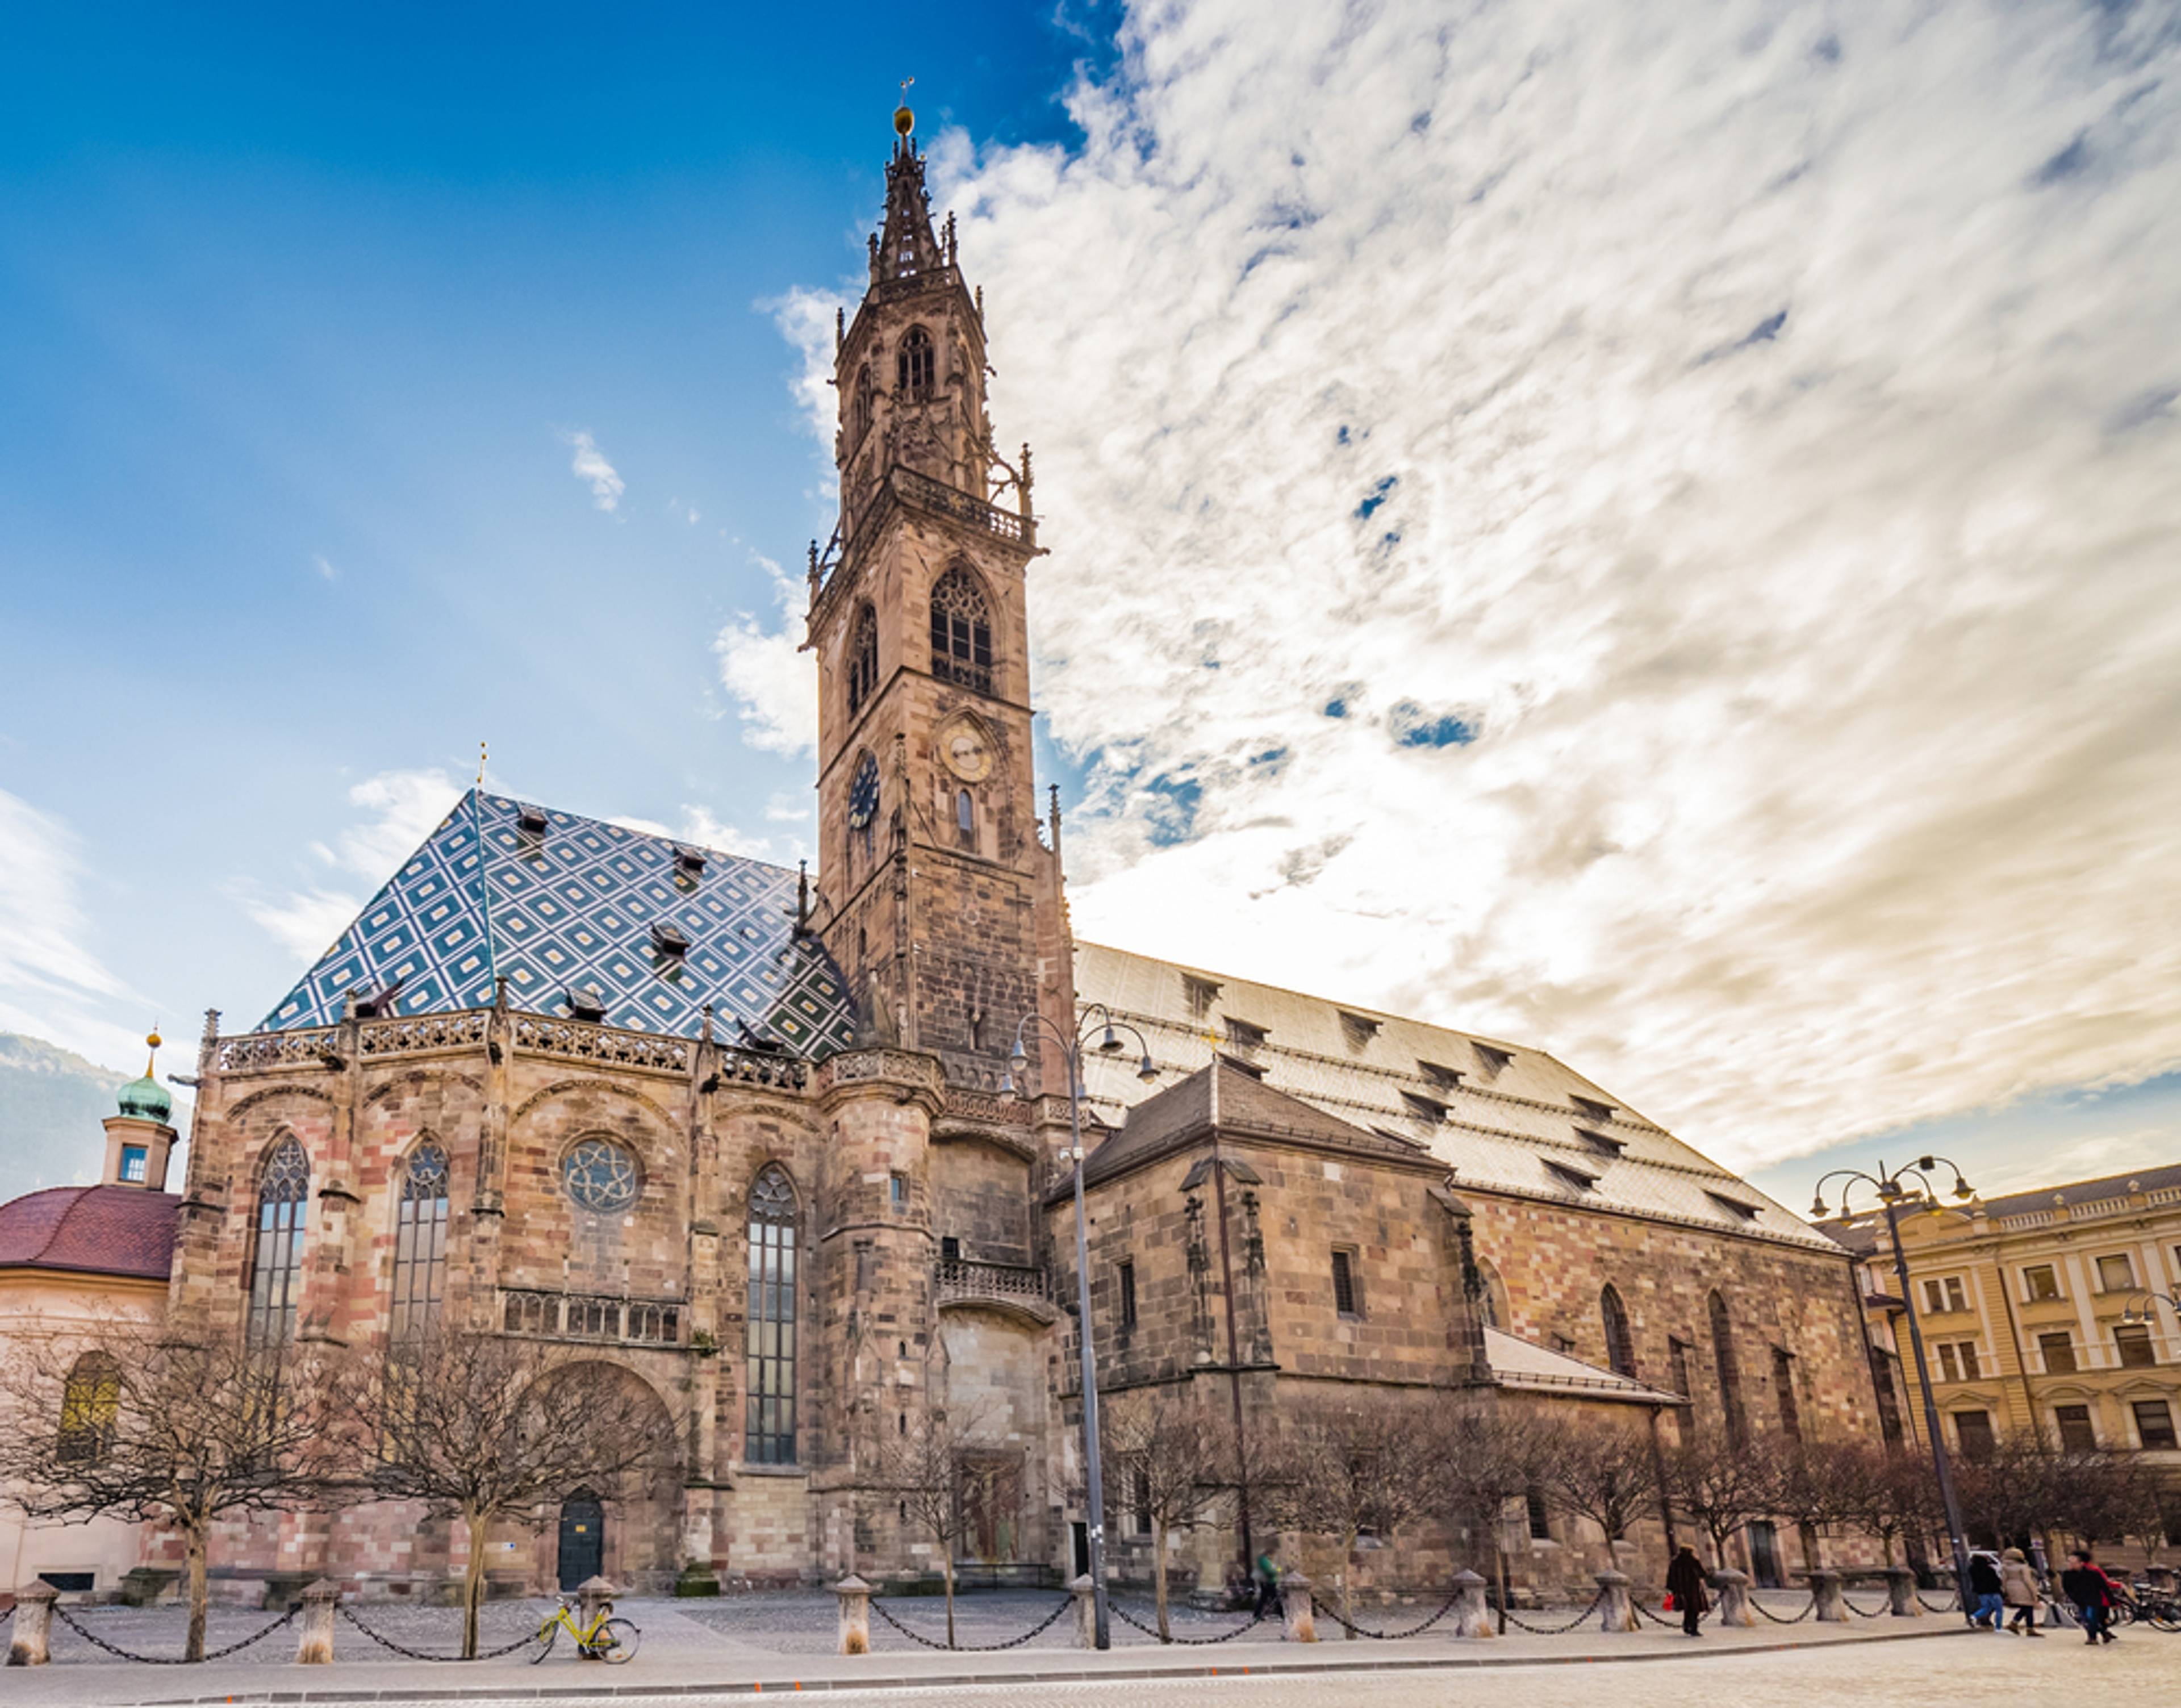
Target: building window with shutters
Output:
[
  {"x": 1347, "y": 1296},
  {"x": 2077, "y": 1434},
  {"x": 1943, "y": 1294},
  {"x": 1539, "y": 1514},
  {"x": 2132, "y": 1342},
  {"x": 2058, "y": 1353},
  {"x": 2041, "y": 1283},
  {"x": 2154, "y": 1426},
  {"x": 2116, "y": 1274},
  {"x": 1972, "y": 1432}
]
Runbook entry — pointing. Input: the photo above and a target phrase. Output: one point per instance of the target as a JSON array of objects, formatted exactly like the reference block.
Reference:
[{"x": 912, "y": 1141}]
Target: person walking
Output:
[
  {"x": 2091, "y": 1592},
  {"x": 2017, "y": 1588},
  {"x": 1983, "y": 1591},
  {"x": 1685, "y": 1582},
  {"x": 1268, "y": 1578}
]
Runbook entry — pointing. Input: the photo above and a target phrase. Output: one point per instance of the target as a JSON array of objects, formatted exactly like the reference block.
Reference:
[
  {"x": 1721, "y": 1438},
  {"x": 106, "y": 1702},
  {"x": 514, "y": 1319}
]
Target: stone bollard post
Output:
[
  {"x": 594, "y": 1597},
  {"x": 855, "y": 1615},
  {"x": 1471, "y": 1617},
  {"x": 1832, "y": 1607},
  {"x": 34, "y": 1626},
  {"x": 1300, "y": 1626},
  {"x": 1733, "y": 1588},
  {"x": 314, "y": 1636},
  {"x": 1617, "y": 1614},
  {"x": 1901, "y": 1593},
  {"x": 1086, "y": 1611}
]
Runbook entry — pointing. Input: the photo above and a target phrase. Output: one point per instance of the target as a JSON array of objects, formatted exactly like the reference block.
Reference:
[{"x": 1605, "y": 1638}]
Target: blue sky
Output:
[{"x": 1721, "y": 472}]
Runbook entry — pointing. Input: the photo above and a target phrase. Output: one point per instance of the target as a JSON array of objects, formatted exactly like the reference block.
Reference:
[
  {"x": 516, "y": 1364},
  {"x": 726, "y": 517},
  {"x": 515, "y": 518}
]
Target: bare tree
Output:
[
  {"x": 922, "y": 1467},
  {"x": 1812, "y": 1483},
  {"x": 1345, "y": 1470},
  {"x": 1890, "y": 1494},
  {"x": 1720, "y": 1488},
  {"x": 480, "y": 1428},
  {"x": 148, "y": 1425},
  {"x": 1487, "y": 1458},
  {"x": 1608, "y": 1473},
  {"x": 1170, "y": 1465}
]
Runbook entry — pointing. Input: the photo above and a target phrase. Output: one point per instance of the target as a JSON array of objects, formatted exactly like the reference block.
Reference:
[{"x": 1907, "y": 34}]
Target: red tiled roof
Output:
[{"x": 95, "y": 1230}]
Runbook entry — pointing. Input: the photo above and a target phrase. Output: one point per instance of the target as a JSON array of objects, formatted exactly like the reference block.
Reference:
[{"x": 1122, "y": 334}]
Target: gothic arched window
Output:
[
  {"x": 1729, "y": 1373},
  {"x": 960, "y": 632},
  {"x": 913, "y": 366},
  {"x": 863, "y": 659},
  {"x": 1620, "y": 1344},
  {"x": 965, "y": 818},
  {"x": 770, "y": 1367},
  {"x": 91, "y": 1402},
  {"x": 860, "y": 407},
  {"x": 420, "y": 1240},
  {"x": 276, "y": 1266}
]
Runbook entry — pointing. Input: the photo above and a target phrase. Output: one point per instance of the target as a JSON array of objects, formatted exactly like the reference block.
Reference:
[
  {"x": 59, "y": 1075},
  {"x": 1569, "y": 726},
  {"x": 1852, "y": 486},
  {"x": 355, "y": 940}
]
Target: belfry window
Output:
[
  {"x": 960, "y": 632},
  {"x": 860, "y": 408},
  {"x": 276, "y": 1266},
  {"x": 863, "y": 660},
  {"x": 913, "y": 365},
  {"x": 420, "y": 1241},
  {"x": 769, "y": 1435},
  {"x": 965, "y": 818}
]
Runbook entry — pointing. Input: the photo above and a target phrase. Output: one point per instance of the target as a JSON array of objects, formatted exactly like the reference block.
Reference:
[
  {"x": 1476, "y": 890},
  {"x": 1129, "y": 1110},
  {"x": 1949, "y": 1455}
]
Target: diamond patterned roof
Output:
[{"x": 574, "y": 906}]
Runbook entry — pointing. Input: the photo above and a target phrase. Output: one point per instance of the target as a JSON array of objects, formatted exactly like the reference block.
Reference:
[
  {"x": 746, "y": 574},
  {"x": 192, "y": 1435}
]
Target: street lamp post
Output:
[
  {"x": 1099, "y": 1019},
  {"x": 1887, "y": 1184}
]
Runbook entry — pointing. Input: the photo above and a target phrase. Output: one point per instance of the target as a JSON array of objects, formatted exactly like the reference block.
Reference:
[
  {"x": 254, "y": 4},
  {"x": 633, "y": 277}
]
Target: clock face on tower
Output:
[
  {"x": 963, "y": 745},
  {"x": 864, "y": 794}
]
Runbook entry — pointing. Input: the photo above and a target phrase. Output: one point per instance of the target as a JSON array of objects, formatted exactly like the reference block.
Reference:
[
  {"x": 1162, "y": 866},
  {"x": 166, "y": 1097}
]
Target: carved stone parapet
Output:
[{"x": 909, "y": 1076}]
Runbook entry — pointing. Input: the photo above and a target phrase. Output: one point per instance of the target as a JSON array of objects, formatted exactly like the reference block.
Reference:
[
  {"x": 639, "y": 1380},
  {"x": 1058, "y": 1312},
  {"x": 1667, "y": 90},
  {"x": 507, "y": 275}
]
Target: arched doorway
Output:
[{"x": 583, "y": 1539}]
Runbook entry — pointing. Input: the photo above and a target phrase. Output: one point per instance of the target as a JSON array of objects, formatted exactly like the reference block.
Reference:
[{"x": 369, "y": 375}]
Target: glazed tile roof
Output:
[
  {"x": 1502, "y": 1116},
  {"x": 574, "y": 905},
  {"x": 97, "y": 1231}
]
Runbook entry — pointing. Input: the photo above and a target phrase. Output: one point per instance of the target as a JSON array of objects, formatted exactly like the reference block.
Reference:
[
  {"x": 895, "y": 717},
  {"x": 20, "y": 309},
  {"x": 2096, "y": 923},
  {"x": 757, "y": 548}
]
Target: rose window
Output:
[{"x": 600, "y": 1176}]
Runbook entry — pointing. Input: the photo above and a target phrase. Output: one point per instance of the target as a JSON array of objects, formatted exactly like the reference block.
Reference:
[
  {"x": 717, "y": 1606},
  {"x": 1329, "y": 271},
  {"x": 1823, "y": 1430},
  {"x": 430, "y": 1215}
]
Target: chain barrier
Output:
[
  {"x": 1874, "y": 1613},
  {"x": 1673, "y": 1621},
  {"x": 1416, "y": 1630},
  {"x": 409, "y": 1654},
  {"x": 1776, "y": 1619},
  {"x": 1257, "y": 1618},
  {"x": 1931, "y": 1606},
  {"x": 118, "y": 1652},
  {"x": 1037, "y": 1630},
  {"x": 1521, "y": 1624}
]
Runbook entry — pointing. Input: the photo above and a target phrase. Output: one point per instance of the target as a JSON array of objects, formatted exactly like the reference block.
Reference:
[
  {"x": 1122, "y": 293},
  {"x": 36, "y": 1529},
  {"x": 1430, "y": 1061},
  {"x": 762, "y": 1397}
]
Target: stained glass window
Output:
[
  {"x": 276, "y": 1267},
  {"x": 420, "y": 1240},
  {"x": 90, "y": 1401},
  {"x": 600, "y": 1176},
  {"x": 771, "y": 1366}
]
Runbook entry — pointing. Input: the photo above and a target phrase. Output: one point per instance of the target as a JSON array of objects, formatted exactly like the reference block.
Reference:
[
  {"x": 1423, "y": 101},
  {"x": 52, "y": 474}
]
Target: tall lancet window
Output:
[
  {"x": 913, "y": 367},
  {"x": 420, "y": 1241},
  {"x": 1729, "y": 1373},
  {"x": 861, "y": 408},
  {"x": 1620, "y": 1344},
  {"x": 960, "y": 632},
  {"x": 276, "y": 1265},
  {"x": 863, "y": 660},
  {"x": 770, "y": 1367}
]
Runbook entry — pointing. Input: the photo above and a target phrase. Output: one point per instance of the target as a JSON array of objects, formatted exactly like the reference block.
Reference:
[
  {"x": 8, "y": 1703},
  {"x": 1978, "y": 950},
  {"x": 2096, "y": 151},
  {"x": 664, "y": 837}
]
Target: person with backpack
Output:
[{"x": 2091, "y": 1592}]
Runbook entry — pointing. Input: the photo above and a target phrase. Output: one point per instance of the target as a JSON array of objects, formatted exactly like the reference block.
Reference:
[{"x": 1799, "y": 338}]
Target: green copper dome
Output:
[{"x": 147, "y": 1099}]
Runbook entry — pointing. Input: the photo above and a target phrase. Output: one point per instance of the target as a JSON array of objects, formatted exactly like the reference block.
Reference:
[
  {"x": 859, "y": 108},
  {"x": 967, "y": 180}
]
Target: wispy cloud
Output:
[
  {"x": 325, "y": 569},
  {"x": 772, "y": 682},
  {"x": 1788, "y": 737},
  {"x": 589, "y": 464},
  {"x": 700, "y": 828},
  {"x": 399, "y": 810}
]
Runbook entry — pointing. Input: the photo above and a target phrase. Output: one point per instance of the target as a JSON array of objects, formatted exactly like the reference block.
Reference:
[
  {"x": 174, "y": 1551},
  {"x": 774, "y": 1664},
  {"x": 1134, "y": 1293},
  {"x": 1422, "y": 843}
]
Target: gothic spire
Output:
[{"x": 905, "y": 246}]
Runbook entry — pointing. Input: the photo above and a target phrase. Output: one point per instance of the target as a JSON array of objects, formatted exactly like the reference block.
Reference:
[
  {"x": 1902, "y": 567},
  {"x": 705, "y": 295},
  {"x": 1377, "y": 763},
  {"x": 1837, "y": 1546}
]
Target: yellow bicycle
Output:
[{"x": 610, "y": 1640}]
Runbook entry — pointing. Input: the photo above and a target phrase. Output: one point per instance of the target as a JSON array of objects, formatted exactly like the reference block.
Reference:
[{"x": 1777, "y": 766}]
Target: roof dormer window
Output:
[
  {"x": 1357, "y": 1031},
  {"x": 530, "y": 819},
  {"x": 1734, "y": 1207},
  {"x": 1423, "y": 1108},
  {"x": 586, "y": 1003},
  {"x": 1446, "y": 1078},
  {"x": 1591, "y": 1107},
  {"x": 1602, "y": 1142},
  {"x": 1494, "y": 1058},
  {"x": 669, "y": 939},
  {"x": 1580, "y": 1178},
  {"x": 689, "y": 861}
]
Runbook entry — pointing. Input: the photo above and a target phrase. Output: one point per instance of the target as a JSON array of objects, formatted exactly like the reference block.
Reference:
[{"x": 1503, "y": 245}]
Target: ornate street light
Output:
[
  {"x": 1096, "y": 1018},
  {"x": 1890, "y": 1194},
  {"x": 2147, "y": 1314}
]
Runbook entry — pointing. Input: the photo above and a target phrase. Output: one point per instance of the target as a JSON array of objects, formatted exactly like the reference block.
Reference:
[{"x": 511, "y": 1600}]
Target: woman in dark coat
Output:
[{"x": 1685, "y": 1582}]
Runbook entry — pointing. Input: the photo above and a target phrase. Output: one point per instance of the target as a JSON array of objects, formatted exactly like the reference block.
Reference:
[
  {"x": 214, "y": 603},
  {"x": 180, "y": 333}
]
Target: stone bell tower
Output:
[{"x": 937, "y": 896}]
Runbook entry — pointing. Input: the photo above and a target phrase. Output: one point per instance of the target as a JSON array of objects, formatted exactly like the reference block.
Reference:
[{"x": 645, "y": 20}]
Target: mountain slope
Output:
[{"x": 52, "y": 1101}]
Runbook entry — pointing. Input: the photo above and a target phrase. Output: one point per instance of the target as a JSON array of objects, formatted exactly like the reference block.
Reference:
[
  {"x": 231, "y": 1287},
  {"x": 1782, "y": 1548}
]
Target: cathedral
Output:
[{"x": 793, "y": 1151}]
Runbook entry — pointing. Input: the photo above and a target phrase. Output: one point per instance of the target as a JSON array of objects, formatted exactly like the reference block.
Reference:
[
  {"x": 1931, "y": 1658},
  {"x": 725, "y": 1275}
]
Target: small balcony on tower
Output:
[{"x": 1021, "y": 1290}]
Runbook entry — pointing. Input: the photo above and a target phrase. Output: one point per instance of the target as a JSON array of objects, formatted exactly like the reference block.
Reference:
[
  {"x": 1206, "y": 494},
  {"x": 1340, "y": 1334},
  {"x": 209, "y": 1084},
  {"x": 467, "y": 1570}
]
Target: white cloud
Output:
[
  {"x": 401, "y": 809},
  {"x": 325, "y": 569},
  {"x": 1743, "y": 421},
  {"x": 589, "y": 464},
  {"x": 773, "y": 683},
  {"x": 701, "y": 829}
]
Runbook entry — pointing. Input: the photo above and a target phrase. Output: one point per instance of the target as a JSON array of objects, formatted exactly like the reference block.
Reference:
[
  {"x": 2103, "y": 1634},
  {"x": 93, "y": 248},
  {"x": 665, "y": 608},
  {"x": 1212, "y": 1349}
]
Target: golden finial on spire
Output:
[
  {"x": 904, "y": 121},
  {"x": 154, "y": 1040},
  {"x": 481, "y": 758}
]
